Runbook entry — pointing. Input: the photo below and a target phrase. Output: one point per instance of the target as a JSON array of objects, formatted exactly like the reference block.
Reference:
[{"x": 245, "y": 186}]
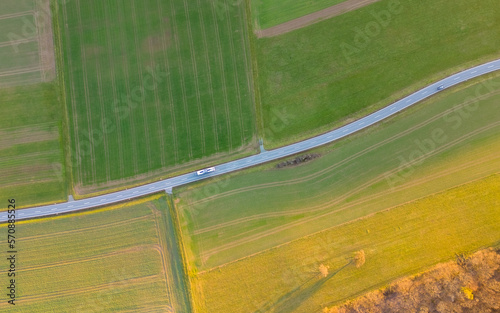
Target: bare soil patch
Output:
[{"x": 312, "y": 18}]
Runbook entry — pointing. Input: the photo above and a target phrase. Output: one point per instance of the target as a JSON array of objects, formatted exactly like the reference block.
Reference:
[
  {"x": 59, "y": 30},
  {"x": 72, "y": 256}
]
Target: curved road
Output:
[{"x": 263, "y": 157}]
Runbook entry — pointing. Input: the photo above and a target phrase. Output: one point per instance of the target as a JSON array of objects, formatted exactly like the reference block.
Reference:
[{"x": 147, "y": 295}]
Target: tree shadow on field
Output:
[{"x": 293, "y": 299}]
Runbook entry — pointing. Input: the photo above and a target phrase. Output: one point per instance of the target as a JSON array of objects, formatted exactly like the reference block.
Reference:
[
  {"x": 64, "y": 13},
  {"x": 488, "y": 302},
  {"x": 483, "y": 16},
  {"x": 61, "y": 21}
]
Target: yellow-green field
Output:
[
  {"x": 396, "y": 242},
  {"x": 257, "y": 237},
  {"x": 436, "y": 145},
  {"x": 122, "y": 259}
]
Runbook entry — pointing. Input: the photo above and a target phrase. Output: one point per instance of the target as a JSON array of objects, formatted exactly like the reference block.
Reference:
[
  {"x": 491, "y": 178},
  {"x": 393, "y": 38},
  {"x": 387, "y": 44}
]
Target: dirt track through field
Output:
[{"x": 312, "y": 18}]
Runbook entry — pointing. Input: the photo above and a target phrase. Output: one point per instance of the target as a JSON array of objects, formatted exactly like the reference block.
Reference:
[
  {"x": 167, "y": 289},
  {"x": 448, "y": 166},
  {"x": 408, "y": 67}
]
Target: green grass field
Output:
[
  {"x": 398, "y": 242},
  {"x": 323, "y": 75},
  {"x": 441, "y": 143},
  {"x": 31, "y": 156},
  {"x": 25, "y": 43},
  {"x": 270, "y": 13},
  {"x": 154, "y": 87},
  {"x": 122, "y": 258}
]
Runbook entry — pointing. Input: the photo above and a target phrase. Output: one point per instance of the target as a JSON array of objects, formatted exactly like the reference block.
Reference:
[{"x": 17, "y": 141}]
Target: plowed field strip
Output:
[{"x": 315, "y": 17}]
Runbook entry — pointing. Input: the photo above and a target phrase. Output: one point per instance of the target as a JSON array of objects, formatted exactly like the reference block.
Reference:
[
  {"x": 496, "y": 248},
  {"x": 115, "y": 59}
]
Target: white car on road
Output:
[{"x": 205, "y": 171}]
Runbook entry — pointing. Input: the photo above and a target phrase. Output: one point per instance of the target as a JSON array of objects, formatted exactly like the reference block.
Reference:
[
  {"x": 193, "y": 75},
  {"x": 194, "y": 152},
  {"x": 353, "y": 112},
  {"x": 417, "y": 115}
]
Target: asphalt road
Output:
[{"x": 263, "y": 157}]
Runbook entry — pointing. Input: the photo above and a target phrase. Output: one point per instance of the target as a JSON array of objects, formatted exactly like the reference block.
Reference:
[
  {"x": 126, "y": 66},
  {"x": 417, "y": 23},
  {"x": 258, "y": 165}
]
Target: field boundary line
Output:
[{"x": 312, "y": 18}]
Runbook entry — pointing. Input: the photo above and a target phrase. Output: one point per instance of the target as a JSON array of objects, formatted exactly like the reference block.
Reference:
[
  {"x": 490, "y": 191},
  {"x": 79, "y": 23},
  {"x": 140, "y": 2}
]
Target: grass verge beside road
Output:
[{"x": 319, "y": 77}]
